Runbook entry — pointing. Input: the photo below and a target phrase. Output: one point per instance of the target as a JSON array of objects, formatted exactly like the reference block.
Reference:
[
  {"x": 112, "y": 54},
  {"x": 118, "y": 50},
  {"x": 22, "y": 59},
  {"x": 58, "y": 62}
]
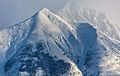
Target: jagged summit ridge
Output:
[{"x": 99, "y": 20}]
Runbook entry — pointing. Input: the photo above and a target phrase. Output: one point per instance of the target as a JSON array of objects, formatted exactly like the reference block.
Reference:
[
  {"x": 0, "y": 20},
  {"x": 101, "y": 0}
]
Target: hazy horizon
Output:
[{"x": 15, "y": 11}]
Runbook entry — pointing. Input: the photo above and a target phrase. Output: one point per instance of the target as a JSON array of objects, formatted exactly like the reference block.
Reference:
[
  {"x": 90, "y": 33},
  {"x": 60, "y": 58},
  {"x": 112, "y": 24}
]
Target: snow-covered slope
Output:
[
  {"x": 75, "y": 42},
  {"x": 102, "y": 57},
  {"x": 38, "y": 46}
]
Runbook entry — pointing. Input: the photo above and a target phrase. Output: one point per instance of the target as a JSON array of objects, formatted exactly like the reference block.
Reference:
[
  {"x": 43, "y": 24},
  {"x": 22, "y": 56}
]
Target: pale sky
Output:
[{"x": 15, "y": 11}]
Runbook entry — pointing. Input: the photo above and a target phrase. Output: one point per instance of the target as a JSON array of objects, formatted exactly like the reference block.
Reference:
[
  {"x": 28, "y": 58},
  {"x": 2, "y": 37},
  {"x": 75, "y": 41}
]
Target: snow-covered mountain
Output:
[
  {"x": 75, "y": 42},
  {"x": 38, "y": 46}
]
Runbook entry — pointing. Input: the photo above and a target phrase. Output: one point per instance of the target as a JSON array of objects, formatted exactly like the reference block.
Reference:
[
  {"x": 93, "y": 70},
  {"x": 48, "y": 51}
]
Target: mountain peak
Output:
[{"x": 44, "y": 9}]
